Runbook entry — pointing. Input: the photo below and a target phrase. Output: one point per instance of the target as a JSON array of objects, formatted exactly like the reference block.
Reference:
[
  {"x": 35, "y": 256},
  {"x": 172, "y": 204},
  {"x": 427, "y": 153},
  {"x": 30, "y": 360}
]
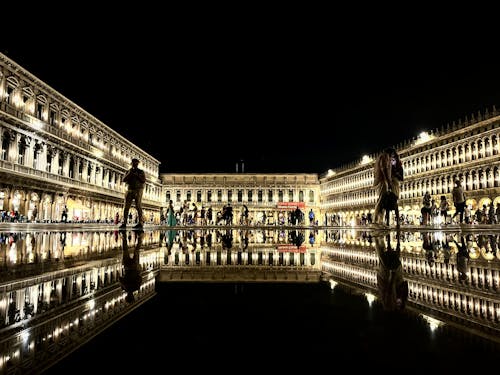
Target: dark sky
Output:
[{"x": 201, "y": 99}]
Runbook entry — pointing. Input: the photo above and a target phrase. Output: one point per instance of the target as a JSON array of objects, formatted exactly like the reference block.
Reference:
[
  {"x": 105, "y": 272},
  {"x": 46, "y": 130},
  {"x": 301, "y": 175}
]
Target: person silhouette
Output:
[
  {"x": 135, "y": 179},
  {"x": 132, "y": 279},
  {"x": 393, "y": 289},
  {"x": 462, "y": 258}
]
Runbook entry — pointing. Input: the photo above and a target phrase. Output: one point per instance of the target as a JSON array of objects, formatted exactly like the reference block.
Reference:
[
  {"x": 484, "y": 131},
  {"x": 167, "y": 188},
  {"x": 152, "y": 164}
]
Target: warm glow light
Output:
[
  {"x": 333, "y": 284},
  {"x": 370, "y": 298},
  {"x": 331, "y": 172},
  {"x": 365, "y": 159},
  {"x": 423, "y": 137},
  {"x": 25, "y": 336}
]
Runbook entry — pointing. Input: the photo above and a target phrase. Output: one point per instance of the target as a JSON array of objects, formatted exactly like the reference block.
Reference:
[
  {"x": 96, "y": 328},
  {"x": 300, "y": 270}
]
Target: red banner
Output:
[
  {"x": 289, "y": 248},
  {"x": 291, "y": 205}
]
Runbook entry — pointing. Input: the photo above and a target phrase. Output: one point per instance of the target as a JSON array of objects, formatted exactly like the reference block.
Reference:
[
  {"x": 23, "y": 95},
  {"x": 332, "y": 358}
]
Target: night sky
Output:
[{"x": 302, "y": 101}]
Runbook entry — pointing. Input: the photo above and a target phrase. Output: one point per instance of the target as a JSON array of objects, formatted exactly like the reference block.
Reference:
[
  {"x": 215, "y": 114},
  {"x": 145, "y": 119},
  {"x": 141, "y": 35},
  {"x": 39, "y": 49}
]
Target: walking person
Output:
[
  {"x": 135, "y": 178},
  {"x": 458, "y": 195}
]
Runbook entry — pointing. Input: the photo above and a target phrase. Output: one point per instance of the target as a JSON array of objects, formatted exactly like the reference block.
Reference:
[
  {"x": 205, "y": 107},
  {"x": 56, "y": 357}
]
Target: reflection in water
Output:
[
  {"x": 393, "y": 289},
  {"x": 132, "y": 276},
  {"x": 448, "y": 277},
  {"x": 60, "y": 288}
]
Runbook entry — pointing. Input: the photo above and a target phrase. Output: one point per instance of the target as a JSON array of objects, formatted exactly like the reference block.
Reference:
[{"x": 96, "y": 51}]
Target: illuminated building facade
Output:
[
  {"x": 269, "y": 197},
  {"x": 54, "y": 153},
  {"x": 468, "y": 150}
]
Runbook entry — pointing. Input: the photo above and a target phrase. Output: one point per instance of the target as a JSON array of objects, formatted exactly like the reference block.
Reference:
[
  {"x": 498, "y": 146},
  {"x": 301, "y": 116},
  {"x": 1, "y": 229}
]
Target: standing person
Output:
[
  {"x": 388, "y": 173},
  {"x": 458, "y": 195},
  {"x": 426, "y": 209},
  {"x": 311, "y": 217},
  {"x": 171, "y": 220},
  {"x": 209, "y": 216},
  {"x": 64, "y": 216},
  {"x": 135, "y": 179},
  {"x": 35, "y": 213},
  {"x": 443, "y": 208},
  {"x": 244, "y": 215}
]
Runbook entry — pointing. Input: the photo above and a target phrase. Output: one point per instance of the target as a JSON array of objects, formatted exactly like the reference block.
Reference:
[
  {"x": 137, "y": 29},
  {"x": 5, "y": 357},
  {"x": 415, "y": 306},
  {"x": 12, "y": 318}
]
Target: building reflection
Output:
[
  {"x": 452, "y": 277},
  {"x": 61, "y": 288}
]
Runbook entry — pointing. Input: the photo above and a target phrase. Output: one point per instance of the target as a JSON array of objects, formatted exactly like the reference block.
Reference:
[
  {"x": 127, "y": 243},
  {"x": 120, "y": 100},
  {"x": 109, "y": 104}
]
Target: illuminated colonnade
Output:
[
  {"x": 469, "y": 151},
  {"x": 54, "y": 153}
]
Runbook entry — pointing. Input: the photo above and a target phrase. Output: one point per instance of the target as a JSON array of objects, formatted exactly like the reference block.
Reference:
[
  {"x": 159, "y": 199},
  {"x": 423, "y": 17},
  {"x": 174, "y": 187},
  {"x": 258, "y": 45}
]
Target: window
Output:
[
  {"x": 52, "y": 117},
  {"x": 8, "y": 96},
  {"x": 188, "y": 195},
  {"x": 49, "y": 161},
  {"x": 20, "y": 153},
  {"x": 290, "y": 195},
  {"x": 71, "y": 167},
  {"x": 178, "y": 196},
  {"x": 39, "y": 110},
  {"x": 198, "y": 196},
  {"x": 311, "y": 196},
  {"x": 168, "y": 196},
  {"x": 219, "y": 195},
  {"x": 280, "y": 196},
  {"x": 301, "y": 196},
  {"x": 60, "y": 168},
  {"x": 259, "y": 196},
  {"x": 240, "y": 195},
  {"x": 250, "y": 195},
  {"x": 230, "y": 196},
  {"x": 269, "y": 195},
  {"x": 209, "y": 195}
]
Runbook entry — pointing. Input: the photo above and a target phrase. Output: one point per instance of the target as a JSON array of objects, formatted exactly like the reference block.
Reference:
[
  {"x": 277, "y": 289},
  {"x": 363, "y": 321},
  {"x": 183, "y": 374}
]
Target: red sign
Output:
[
  {"x": 291, "y": 205},
  {"x": 289, "y": 248}
]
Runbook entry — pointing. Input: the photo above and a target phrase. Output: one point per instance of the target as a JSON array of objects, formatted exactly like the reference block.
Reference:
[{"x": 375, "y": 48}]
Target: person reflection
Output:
[
  {"x": 462, "y": 258},
  {"x": 170, "y": 240},
  {"x": 131, "y": 280},
  {"x": 393, "y": 289},
  {"x": 63, "y": 242},
  {"x": 296, "y": 237}
]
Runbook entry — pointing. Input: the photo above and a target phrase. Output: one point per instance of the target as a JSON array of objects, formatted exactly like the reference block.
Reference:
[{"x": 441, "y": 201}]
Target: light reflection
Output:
[
  {"x": 370, "y": 298},
  {"x": 432, "y": 322}
]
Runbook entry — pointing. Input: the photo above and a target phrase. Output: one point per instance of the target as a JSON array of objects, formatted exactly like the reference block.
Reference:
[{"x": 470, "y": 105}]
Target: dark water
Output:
[{"x": 228, "y": 328}]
